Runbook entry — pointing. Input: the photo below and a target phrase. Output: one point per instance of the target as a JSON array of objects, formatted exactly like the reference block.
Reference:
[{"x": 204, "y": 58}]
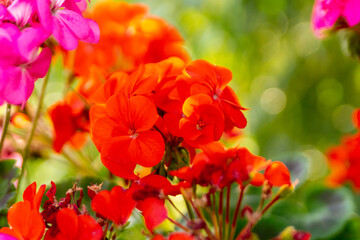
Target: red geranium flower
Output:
[
  {"x": 24, "y": 218},
  {"x": 203, "y": 123},
  {"x": 212, "y": 80},
  {"x": 277, "y": 174},
  {"x": 150, "y": 192},
  {"x": 116, "y": 205},
  {"x": 75, "y": 227},
  {"x": 125, "y": 137}
]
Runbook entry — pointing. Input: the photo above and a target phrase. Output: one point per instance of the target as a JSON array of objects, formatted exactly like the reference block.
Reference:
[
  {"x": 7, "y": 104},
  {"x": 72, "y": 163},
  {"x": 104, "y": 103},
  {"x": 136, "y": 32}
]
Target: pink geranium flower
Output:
[
  {"x": 64, "y": 20},
  {"x": 20, "y": 63},
  {"x": 327, "y": 12}
]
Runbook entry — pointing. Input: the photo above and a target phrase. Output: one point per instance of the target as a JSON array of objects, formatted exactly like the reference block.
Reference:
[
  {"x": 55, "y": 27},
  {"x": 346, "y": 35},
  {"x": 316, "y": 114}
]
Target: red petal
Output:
[
  {"x": 34, "y": 197},
  {"x": 89, "y": 228},
  {"x": 181, "y": 236},
  {"x": 114, "y": 155},
  {"x": 116, "y": 205},
  {"x": 257, "y": 180},
  {"x": 105, "y": 129},
  {"x": 67, "y": 223},
  {"x": 9, "y": 234},
  {"x": 26, "y": 221},
  {"x": 277, "y": 174},
  {"x": 64, "y": 126},
  {"x": 154, "y": 213},
  {"x": 194, "y": 101},
  {"x": 356, "y": 118},
  {"x": 143, "y": 113},
  {"x": 147, "y": 149}
]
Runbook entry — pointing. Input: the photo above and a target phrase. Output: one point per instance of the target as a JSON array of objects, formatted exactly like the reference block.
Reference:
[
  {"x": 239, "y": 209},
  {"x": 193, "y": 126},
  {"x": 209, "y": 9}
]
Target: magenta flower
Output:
[
  {"x": 20, "y": 63},
  {"x": 64, "y": 20},
  {"x": 327, "y": 12}
]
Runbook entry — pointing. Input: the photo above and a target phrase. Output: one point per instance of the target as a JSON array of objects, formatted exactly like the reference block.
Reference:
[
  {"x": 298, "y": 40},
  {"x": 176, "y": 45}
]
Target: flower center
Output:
[
  {"x": 132, "y": 133},
  {"x": 200, "y": 124}
]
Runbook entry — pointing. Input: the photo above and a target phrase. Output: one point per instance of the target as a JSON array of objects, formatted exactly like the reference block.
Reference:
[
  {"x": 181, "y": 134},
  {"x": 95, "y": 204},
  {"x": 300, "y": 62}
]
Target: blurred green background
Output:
[{"x": 301, "y": 92}]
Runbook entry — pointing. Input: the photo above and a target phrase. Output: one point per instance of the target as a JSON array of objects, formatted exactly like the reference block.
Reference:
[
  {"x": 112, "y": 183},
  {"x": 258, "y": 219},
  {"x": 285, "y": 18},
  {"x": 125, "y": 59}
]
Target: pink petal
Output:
[
  {"x": 22, "y": 11},
  {"x": 30, "y": 40},
  {"x": 73, "y": 6},
  {"x": 352, "y": 12},
  {"x": 18, "y": 85},
  {"x": 64, "y": 35},
  {"x": 4, "y": 236},
  {"x": 324, "y": 17},
  {"x": 94, "y": 33},
  {"x": 44, "y": 13},
  {"x": 75, "y": 22},
  {"x": 40, "y": 66}
]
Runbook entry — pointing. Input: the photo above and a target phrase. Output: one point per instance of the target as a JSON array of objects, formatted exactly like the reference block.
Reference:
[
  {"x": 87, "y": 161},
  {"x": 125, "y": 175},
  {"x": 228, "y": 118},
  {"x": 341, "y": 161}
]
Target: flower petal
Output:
[{"x": 147, "y": 149}]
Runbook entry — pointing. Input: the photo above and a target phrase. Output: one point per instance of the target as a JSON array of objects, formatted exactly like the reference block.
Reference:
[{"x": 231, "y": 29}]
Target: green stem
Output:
[
  {"x": 172, "y": 203},
  {"x": 35, "y": 121},
  {"x": 191, "y": 213},
  {"x": 5, "y": 125},
  {"x": 179, "y": 225}
]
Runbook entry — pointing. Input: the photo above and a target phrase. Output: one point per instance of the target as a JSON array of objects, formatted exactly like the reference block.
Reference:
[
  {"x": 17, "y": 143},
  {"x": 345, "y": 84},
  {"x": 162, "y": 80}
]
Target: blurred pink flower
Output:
[
  {"x": 64, "y": 20},
  {"x": 8, "y": 152},
  {"x": 327, "y": 12}
]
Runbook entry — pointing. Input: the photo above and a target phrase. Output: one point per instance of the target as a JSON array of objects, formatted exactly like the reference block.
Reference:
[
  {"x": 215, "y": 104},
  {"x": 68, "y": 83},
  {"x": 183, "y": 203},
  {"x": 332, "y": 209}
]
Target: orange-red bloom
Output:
[
  {"x": 203, "y": 123},
  {"x": 344, "y": 160},
  {"x": 150, "y": 192},
  {"x": 116, "y": 205},
  {"x": 175, "y": 236},
  {"x": 205, "y": 78},
  {"x": 129, "y": 37},
  {"x": 220, "y": 167},
  {"x": 24, "y": 218},
  {"x": 277, "y": 174},
  {"x": 75, "y": 227},
  {"x": 70, "y": 117},
  {"x": 125, "y": 137}
]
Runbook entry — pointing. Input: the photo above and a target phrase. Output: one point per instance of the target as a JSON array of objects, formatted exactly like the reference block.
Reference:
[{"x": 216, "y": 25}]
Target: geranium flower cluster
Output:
[
  {"x": 155, "y": 116},
  {"x": 129, "y": 38},
  {"x": 69, "y": 218},
  {"x": 25, "y": 25},
  {"x": 135, "y": 115},
  {"x": 344, "y": 160}
]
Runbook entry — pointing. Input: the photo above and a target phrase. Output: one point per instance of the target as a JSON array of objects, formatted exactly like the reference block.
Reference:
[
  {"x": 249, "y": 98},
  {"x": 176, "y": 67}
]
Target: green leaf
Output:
[
  {"x": 350, "y": 231},
  {"x": 323, "y": 212},
  {"x": 8, "y": 172},
  {"x": 329, "y": 209}
]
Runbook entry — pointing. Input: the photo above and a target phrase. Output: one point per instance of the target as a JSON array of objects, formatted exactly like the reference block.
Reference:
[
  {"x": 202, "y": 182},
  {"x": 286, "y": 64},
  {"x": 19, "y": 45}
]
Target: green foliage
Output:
[
  {"x": 322, "y": 211},
  {"x": 8, "y": 173}
]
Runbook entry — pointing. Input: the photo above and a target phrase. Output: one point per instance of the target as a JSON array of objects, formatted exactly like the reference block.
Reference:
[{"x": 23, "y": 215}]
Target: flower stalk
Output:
[{"x": 5, "y": 125}]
